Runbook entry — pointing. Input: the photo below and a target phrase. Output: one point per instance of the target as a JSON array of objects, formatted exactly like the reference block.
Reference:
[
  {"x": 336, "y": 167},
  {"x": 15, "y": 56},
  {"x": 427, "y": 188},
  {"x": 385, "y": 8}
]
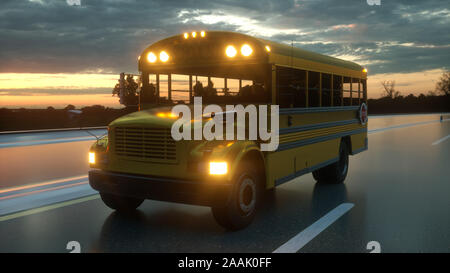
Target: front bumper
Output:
[{"x": 205, "y": 193}]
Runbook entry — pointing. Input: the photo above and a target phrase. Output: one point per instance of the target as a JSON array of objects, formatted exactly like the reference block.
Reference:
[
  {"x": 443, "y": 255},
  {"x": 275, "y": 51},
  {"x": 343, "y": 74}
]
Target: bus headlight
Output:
[
  {"x": 91, "y": 158},
  {"x": 218, "y": 168},
  {"x": 163, "y": 56},
  {"x": 230, "y": 51},
  {"x": 151, "y": 57},
  {"x": 246, "y": 50}
]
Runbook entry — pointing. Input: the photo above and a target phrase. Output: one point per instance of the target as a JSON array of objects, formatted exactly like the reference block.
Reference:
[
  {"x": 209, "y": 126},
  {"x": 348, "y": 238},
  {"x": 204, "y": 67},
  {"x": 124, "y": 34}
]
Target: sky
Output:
[{"x": 53, "y": 50}]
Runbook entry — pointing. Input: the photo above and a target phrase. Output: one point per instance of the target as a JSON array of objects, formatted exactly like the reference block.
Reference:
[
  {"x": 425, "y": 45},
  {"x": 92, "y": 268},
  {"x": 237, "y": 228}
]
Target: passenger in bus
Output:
[
  {"x": 198, "y": 89},
  {"x": 148, "y": 94},
  {"x": 253, "y": 93},
  {"x": 210, "y": 91}
]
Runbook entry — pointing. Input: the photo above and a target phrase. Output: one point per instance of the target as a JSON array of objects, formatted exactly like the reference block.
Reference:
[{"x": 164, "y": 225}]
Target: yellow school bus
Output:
[{"x": 322, "y": 120}]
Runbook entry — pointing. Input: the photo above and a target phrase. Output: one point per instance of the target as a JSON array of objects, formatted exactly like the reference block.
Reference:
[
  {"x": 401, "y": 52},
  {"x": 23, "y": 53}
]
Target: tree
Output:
[
  {"x": 70, "y": 107},
  {"x": 130, "y": 96},
  {"x": 443, "y": 85},
  {"x": 389, "y": 90}
]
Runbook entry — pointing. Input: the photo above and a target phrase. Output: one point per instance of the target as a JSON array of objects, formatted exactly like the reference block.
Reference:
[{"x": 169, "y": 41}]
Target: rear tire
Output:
[
  {"x": 245, "y": 197},
  {"x": 337, "y": 172},
  {"x": 121, "y": 203}
]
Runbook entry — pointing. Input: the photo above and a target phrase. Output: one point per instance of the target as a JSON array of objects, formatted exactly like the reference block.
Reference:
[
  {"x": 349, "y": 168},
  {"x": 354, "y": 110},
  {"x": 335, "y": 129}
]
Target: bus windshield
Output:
[{"x": 178, "y": 88}]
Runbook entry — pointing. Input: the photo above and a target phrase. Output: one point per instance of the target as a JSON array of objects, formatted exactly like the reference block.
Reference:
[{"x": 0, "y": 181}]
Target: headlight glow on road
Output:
[
  {"x": 92, "y": 158},
  {"x": 218, "y": 168}
]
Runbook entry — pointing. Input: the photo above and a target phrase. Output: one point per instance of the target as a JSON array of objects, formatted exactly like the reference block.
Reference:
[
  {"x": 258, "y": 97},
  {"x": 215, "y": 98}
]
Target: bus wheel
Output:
[
  {"x": 245, "y": 197},
  {"x": 336, "y": 172},
  {"x": 120, "y": 203}
]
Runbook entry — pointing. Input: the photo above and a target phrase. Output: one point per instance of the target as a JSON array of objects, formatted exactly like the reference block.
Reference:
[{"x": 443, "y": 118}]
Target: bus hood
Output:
[{"x": 156, "y": 117}]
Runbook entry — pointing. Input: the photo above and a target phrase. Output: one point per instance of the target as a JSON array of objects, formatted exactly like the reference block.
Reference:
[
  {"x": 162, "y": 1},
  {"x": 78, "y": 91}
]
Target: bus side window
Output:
[
  {"x": 326, "y": 89},
  {"x": 300, "y": 89},
  {"x": 355, "y": 86},
  {"x": 285, "y": 92},
  {"x": 313, "y": 88},
  {"x": 291, "y": 87},
  {"x": 163, "y": 87},
  {"x": 346, "y": 87},
  {"x": 337, "y": 90}
]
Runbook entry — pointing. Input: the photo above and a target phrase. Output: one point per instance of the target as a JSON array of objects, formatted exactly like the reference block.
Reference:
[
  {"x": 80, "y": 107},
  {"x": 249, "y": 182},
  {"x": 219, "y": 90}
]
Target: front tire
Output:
[
  {"x": 245, "y": 197},
  {"x": 336, "y": 172},
  {"x": 121, "y": 203}
]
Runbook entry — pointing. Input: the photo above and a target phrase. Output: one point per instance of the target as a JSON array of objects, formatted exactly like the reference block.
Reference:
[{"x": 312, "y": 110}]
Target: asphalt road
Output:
[{"x": 396, "y": 194}]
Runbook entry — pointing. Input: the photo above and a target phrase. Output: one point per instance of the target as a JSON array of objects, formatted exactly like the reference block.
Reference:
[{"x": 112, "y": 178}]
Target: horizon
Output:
[{"x": 99, "y": 92}]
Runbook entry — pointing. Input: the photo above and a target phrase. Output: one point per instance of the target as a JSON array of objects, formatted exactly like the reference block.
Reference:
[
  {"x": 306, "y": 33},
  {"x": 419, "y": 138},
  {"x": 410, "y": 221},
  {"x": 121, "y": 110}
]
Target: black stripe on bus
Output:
[
  {"x": 302, "y": 128},
  {"x": 295, "y": 144},
  {"x": 291, "y": 111}
]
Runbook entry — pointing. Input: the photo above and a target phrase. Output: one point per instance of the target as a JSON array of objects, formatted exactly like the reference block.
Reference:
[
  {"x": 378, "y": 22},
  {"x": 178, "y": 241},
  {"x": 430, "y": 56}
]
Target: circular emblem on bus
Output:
[{"x": 363, "y": 113}]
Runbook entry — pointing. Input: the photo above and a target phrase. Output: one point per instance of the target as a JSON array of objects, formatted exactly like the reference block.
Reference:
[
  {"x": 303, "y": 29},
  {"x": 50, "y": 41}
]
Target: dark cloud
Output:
[{"x": 108, "y": 35}]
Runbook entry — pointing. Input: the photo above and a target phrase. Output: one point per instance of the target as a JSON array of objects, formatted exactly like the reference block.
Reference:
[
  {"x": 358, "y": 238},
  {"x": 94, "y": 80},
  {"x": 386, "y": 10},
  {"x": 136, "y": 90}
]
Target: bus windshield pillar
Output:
[
  {"x": 157, "y": 87},
  {"x": 225, "y": 86},
  {"x": 191, "y": 99},
  {"x": 169, "y": 87}
]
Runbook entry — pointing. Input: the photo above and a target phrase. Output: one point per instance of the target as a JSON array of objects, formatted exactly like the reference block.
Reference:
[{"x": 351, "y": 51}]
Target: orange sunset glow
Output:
[
  {"x": 56, "y": 81},
  {"x": 40, "y": 90}
]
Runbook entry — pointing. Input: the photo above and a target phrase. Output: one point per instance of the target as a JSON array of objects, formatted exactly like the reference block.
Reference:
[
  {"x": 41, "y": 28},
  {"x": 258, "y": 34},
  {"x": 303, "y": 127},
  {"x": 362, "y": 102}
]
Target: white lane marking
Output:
[
  {"x": 404, "y": 126},
  {"x": 37, "y": 200},
  {"x": 42, "y": 190},
  {"x": 43, "y": 183},
  {"x": 48, "y": 207},
  {"x": 441, "y": 140},
  {"x": 305, "y": 236}
]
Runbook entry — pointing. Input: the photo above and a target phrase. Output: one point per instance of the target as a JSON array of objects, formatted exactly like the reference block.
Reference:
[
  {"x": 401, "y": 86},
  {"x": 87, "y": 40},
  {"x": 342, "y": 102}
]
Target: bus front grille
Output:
[{"x": 149, "y": 144}]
